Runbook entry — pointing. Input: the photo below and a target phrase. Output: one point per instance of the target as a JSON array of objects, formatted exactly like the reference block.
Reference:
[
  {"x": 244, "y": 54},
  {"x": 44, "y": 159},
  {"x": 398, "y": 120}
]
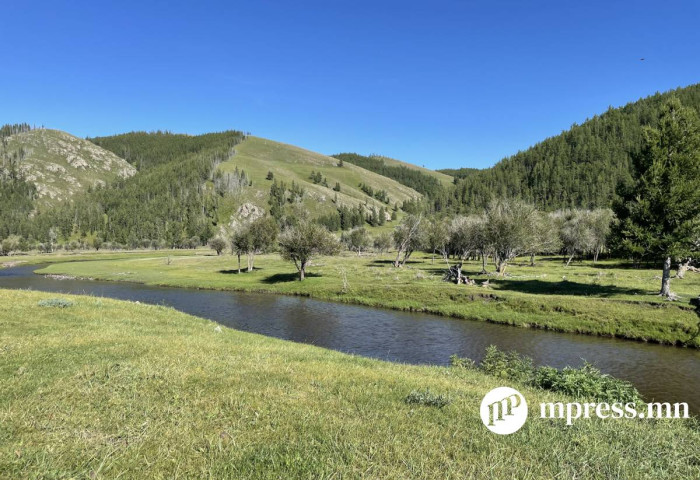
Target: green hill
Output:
[
  {"x": 60, "y": 165},
  {"x": 189, "y": 188},
  {"x": 258, "y": 157},
  {"x": 581, "y": 167}
]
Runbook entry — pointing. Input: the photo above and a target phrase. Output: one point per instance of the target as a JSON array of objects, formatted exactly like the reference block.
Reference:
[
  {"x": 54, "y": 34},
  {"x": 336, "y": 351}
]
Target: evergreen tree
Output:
[{"x": 660, "y": 214}]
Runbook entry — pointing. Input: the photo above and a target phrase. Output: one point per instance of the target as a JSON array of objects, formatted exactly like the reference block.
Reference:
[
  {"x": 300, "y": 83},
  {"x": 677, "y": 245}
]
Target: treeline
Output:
[
  {"x": 581, "y": 167},
  {"x": 415, "y": 179},
  {"x": 146, "y": 150}
]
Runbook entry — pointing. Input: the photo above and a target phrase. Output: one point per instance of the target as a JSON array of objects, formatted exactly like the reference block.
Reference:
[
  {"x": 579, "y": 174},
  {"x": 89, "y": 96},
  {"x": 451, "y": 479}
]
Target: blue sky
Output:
[{"x": 441, "y": 84}]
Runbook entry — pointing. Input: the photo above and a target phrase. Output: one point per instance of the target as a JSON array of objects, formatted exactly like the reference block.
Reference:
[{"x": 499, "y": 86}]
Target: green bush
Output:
[
  {"x": 586, "y": 382},
  {"x": 55, "y": 302}
]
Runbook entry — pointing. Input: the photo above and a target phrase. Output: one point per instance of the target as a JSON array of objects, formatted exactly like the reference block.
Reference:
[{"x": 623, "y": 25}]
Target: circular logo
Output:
[{"x": 503, "y": 410}]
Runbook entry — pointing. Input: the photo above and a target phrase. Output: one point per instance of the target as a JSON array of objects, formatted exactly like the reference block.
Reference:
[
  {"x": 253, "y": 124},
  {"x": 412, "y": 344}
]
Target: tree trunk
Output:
[
  {"x": 595, "y": 255},
  {"x": 483, "y": 263},
  {"x": 666, "y": 279},
  {"x": 501, "y": 267},
  {"x": 239, "y": 262},
  {"x": 432, "y": 260},
  {"x": 459, "y": 273},
  {"x": 302, "y": 271},
  {"x": 398, "y": 257},
  {"x": 682, "y": 268},
  {"x": 250, "y": 262},
  {"x": 532, "y": 259},
  {"x": 571, "y": 257}
]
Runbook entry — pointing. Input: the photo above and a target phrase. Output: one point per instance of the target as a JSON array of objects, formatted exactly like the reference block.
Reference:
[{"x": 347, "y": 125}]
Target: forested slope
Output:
[{"x": 581, "y": 167}]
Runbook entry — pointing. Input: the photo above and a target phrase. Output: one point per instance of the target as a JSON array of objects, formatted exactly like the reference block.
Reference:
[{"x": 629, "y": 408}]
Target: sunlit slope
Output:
[
  {"x": 61, "y": 165},
  {"x": 258, "y": 156},
  {"x": 442, "y": 177}
]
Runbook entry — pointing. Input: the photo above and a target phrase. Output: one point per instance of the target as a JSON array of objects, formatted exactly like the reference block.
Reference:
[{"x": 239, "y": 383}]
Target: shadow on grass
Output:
[
  {"x": 287, "y": 277},
  {"x": 391, "y": 262},
  {"x": 538, "y": 287},
  {"x": 234, "y": 271}
]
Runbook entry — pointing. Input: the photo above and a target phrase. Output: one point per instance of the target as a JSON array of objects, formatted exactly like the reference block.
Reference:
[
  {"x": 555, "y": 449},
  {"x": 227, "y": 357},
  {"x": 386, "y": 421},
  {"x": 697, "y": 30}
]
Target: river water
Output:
[{"x": 661, "y": 373}]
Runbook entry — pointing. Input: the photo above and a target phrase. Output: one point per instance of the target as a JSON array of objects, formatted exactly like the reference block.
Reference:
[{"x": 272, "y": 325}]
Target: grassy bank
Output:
[
  {"x": 107, "y": 389},
  {"x": 608, "y": 298}
]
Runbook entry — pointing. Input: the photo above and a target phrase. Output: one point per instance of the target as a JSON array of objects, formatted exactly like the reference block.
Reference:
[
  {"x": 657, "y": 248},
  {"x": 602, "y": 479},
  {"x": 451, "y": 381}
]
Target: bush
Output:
[
  {"x": 460, "y": 362},
  {"x": 55, "y": 302},
  {"x": 586, "y": 382},
  {"x": 427, "y": 398},
  {"x": 507, "y": 365}
]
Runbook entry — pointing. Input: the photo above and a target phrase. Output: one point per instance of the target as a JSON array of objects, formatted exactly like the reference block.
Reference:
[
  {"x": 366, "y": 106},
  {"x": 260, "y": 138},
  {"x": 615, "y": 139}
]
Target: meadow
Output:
[
  {"x": 608, "y": 298},
  {"x": 98, "y": 388}
]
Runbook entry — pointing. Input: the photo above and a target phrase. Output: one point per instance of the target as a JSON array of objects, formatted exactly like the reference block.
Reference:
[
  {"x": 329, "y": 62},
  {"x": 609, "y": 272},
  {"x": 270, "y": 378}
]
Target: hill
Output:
[
  {"x": 581, "y": 167},
  {"x": 60, "y": 165},
  {"x": 189, "y": 188},
  {"x": 258, "y": 157}
]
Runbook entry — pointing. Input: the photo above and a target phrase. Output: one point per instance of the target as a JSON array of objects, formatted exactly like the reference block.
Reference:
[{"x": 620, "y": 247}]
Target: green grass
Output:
[
  {"x": 606, "y": 299},
  {"x": 112, "y": 389}
]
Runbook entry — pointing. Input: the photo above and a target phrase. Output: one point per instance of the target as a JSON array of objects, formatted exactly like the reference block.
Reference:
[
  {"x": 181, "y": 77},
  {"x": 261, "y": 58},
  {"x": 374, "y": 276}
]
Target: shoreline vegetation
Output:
[
  {"x": 102, "y": 388},
  {"x": 607, "y": 299}
]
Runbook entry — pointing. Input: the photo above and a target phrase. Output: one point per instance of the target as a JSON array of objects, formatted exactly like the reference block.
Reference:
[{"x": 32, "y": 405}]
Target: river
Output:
[{"x": 661, "y": 373}]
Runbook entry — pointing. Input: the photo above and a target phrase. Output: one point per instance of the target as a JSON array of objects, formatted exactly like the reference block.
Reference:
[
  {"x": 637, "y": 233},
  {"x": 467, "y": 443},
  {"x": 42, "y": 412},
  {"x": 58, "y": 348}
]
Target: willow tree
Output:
[
  {"x": 304, "y": 241},
  {"x": 660, "y": 214},
  {"x": 510, "y": 227}
]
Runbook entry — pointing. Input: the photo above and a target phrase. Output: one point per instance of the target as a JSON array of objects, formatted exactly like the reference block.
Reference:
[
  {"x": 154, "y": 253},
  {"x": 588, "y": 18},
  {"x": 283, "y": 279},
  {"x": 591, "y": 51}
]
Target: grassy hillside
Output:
[
  {"x": 581, "y": 167},
  {"x": 61, "y": 165},
  {"x": 112, "y": 389},
  {"x": 258, "y": 156}
]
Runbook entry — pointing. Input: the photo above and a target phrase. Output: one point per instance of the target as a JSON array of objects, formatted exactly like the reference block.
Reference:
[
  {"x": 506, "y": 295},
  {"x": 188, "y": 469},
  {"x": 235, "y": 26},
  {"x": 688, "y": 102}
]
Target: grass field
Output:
[
  {"x": 111, "y": 389},
  {"x": 607, "y": 298}
]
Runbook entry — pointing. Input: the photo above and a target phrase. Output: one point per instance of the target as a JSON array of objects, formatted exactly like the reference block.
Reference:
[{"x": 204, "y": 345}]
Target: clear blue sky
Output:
[{"x": 442, "y": 83}]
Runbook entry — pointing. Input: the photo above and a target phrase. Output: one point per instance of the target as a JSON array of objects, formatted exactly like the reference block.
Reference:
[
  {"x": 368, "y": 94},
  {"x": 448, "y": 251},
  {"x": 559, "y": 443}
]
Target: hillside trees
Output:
[
  {"x": 304, "y": 241},
  {"x": 659, "y": 216}
]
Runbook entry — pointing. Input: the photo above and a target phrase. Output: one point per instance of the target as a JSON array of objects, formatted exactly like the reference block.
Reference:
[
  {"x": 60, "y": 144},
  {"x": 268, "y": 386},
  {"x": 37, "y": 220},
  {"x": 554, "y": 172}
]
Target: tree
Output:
[
  {"x": 437, "y": 236},
  {"x": 270, "y": 175},
  {"x": 509, "y": 229},
  {"x": 600, "y": 221},
  {"x": 576, "y": 233},
  {"x": 545, "y": 238},
  {"x": 356, "y": 240},
  {"x": 407, "y": 238},
  {"x": 97, "y": 243},
  {"x": 463, "y": 236},
  {"x": 382, "y": 242},
  {"x": 240, "y": 242},
  {"x": 659, "y": 216},
  {"x": 262, "y": 235},
  {"x": 217, "y": 244},
  {"x": 304, "y": 241}
]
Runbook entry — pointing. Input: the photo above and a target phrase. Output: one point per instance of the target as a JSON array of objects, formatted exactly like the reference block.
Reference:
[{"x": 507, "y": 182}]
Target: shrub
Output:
[
  {"x": 460, "y": 362},
  {"x": 427, "y": 398},
  {"x": 586, "y": 382},
  {"x": 55, "y": 302}
]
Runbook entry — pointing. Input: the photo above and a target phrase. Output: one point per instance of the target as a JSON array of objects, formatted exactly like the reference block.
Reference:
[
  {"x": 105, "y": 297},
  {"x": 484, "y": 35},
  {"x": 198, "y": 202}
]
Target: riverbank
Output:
[
  {"x": 607, "y": 299},
  {"x": 107, "y": 388}
]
